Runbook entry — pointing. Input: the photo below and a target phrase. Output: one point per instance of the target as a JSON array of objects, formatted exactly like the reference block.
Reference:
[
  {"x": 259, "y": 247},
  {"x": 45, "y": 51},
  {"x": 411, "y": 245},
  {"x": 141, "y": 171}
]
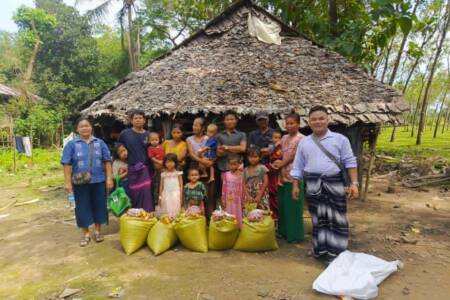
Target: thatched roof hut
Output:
[
  {"x": 7, "y": 93},
  {"x": 222, "y": 67}
]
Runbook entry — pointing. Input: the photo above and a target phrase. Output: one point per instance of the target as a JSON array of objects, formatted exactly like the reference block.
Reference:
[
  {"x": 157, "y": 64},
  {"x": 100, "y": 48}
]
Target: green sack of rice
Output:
[
  {"x": 134, "y": 232},
  {"x": 162, "y": 237},
  {"x": 191, "y": 230},
  {"x": 257, "y": 236},
  {"x": 223, "y": 232}
]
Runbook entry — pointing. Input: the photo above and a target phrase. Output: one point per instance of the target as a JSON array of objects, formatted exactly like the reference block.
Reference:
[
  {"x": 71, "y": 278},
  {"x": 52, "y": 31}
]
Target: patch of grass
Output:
[
  {"x": 41, "y": 170},
  {"x": 405, "y": 145}
]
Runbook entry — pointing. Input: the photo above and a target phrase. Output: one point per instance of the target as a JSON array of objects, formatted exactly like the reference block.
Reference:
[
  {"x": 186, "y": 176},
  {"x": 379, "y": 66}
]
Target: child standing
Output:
[
  {"x": 170, "y": 197},
  {"x": 156, "y": 155},
  {"x": 233, "y": 188},
  {"x": 120, "y": 165},
  {"x": 194, "y": 191},
  {"x": 276, "y": 153},
  {"x": 256, "y": 181},
  {"x": 210, "y": 149}
]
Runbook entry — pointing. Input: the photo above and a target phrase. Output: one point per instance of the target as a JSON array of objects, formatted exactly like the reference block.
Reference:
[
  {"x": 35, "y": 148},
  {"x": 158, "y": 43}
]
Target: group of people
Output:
[{"x": 264, "y": 170}]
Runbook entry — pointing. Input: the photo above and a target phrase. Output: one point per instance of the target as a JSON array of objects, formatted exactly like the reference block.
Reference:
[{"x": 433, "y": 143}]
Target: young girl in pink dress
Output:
[
  {"x": 233, "y": 188},
  {"x": 171, "y": 187}
]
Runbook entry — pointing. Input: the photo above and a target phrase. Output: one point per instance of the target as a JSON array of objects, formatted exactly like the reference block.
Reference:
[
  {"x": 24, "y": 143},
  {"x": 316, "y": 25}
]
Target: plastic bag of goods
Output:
[
  {"x": 355, "y": 275},
  {"x": 257, "y": 233},
  {"x": 190, "y": 228},
  {"x": 118, "y": 201},
  {"x": 223, "y": 231},
  {"x": 134, "y": 228},
  {"x": 162, "y": 237}
]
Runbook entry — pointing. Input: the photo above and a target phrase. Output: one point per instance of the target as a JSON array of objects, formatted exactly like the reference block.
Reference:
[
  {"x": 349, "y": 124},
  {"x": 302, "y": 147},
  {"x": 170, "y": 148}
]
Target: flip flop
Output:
[
  {"x": 85, "y": 241},
  {"x": 98, "y": 238}
]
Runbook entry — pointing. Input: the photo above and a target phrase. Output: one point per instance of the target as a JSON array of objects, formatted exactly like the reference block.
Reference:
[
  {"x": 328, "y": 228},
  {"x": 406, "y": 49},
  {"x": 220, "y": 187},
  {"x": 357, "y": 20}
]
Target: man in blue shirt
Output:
[{"x": 325, "y": 189}]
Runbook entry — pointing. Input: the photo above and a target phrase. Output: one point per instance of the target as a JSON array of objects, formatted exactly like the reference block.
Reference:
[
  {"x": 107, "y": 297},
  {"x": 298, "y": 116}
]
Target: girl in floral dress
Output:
[
  {"x": 233, "y": 188},
  {"x": 171, "y": 187},
  {"x": 256, "y": 182}
]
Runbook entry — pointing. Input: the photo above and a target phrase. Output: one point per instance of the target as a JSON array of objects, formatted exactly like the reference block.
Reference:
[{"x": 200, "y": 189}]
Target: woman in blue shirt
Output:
[{"x": 88, "y": 174}]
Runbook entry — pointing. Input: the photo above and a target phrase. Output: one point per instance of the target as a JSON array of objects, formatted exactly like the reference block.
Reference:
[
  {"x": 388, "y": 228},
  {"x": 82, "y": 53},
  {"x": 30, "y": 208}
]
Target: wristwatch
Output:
[
  {"x": 226, "y": 148},
  {"x": 355, "y": 183}
]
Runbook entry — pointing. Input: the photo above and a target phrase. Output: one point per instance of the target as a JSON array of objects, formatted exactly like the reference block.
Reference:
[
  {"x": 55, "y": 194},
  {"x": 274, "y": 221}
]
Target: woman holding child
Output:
[
  {"x": 290, "y": 218},
  {"x": 140, "y": 173},
  {"x": 203, "y": 158}
]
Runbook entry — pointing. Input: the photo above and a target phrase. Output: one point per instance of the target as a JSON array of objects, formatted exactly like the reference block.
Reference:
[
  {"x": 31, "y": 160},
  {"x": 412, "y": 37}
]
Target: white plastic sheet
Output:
[
  {"x": 355, "y": 274},
  {"x": 265, "y": 32}
]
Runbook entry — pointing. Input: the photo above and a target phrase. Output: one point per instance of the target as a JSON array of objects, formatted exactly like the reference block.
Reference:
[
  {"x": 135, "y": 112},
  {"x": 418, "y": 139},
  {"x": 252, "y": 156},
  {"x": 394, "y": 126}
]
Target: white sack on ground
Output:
[
  {"x": 355, "y": 274},
  {"x": 265, "y": 32}
]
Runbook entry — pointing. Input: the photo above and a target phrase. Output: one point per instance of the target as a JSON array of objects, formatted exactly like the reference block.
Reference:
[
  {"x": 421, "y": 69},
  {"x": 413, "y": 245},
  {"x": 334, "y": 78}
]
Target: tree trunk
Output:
[
  {"x": 138, "y": 46},
  {"x": 446, "y": 117},
  {"x": 440, "y": 112},
  {"x": 400, "y": 51},
  {"x": 333, "y": 17},
  {"x": 417, "y": 106},
  {"x": 394, "y": 129},
  {"x": 386, "y": 62},
  {"x": 29, "y": 72},
  {"x": 130, "y": 38},
  {"x": 416, "y": 62},
  {"x": 430, "y": 78}
]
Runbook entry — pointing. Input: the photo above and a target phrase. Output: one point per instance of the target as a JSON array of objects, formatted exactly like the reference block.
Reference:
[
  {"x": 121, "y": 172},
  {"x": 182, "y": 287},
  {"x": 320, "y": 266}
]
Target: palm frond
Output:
[{"x": 98, "y": 13}]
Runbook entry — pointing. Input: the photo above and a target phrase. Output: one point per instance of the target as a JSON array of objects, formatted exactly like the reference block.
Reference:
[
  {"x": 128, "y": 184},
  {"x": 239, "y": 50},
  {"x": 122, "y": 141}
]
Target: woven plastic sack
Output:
[
  {"x": 118, "y": 201},
  {"x": 134, "y": 232},
  {"x": 162, "y": 237},
  {"x": 222, "y": 234},
  {"x": 191, "y": 230},
  {"x": 257, "y": 236}
]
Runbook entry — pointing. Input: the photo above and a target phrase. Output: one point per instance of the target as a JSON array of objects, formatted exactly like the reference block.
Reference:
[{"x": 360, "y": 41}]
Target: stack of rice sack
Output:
[
  {"x": 134, "y": 228},
  {"x": 257, "y": 232},
  {"x": 223, "y": 230},
  {"x": 190, "y": 228}
]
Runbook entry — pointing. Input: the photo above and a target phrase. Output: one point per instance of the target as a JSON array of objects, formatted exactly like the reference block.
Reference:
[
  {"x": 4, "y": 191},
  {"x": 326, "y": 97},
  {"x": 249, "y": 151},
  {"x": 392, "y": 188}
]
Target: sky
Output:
[{"x": 9, "y": 7}]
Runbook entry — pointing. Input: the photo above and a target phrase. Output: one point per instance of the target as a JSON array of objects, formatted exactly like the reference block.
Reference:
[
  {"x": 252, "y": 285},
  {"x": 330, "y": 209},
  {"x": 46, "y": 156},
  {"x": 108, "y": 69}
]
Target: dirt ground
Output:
[{"x": 40, "y": 256}]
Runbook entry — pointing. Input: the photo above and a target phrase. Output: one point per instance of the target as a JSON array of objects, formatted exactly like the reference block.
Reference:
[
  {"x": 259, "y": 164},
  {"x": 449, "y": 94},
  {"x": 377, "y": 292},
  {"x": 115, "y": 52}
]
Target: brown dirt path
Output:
[{"x": 39, "y": 255}]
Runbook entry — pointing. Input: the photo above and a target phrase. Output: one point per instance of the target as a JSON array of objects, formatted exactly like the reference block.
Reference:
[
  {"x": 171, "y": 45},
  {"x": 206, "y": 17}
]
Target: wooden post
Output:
[
  {"x": 13, "y": 141},
  {"x": 372, "y": 148}
]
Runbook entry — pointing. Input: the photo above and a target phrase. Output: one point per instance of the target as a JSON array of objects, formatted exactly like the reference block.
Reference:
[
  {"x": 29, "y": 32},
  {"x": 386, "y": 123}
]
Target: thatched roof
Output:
[
  {"x": 7, "y": 92},
  {"x": 222, "y": 67}
]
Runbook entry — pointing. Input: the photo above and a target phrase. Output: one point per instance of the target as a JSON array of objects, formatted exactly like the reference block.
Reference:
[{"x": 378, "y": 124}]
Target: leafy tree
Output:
[
  {"x": 68, "y": 69},
  {"x": 32, "y": 23}
]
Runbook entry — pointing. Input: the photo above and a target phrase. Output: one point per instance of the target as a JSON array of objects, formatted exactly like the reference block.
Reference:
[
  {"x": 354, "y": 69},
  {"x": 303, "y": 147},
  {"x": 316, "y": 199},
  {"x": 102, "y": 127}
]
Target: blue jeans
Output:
[{"x": 90, "y": 204}]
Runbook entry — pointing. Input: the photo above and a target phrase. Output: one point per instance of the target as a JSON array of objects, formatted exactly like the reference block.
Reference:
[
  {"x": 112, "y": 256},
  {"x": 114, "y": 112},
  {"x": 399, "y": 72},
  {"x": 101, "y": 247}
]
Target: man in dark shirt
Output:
[
  {"x": 261, "y": 137},
  {"x": 230, "y": 141}
]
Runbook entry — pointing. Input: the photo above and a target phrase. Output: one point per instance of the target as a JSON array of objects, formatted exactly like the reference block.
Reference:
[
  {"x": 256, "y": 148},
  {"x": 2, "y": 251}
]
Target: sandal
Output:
[
  {"x": 98, "y": 238},
  {"x": 85, "y": 241}
]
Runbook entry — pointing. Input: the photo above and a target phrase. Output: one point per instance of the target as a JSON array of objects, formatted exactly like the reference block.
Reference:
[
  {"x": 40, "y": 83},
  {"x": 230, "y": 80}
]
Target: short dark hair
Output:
[
  {"x": 179, "y": 127},
  {"x": 202, "y": 121},
  {"x": 136, "y": 112},
  {"x": 230, "y": 112},
  {"x": 154, "y": 133},
  {"x": 171, "y": 157},
  {"x": 294, "y": 116},
  {"x": 318, "y": 108},
  {"x": 81, "y": 119},
  {"x": 254, "y": 151},
  {"x": 277, "y": 131},
  {"x": 234, "y": 156},
  {"x": 116, "y": 150},
  {"x": 192, "y": 170}
]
